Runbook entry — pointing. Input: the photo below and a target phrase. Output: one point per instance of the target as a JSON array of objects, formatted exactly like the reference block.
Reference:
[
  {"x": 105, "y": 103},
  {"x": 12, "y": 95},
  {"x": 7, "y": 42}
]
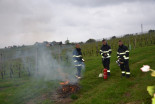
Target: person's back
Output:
[
  {"x": 77, "y": 57},
  {"x": 78, "y": 54}
]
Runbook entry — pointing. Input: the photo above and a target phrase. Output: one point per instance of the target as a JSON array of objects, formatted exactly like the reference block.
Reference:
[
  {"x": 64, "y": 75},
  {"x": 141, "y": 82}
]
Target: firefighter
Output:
[
  {"x": 105, "y": 53},
  {"x": 123, "y": 59},
  {"x": 78, "y": 60}
]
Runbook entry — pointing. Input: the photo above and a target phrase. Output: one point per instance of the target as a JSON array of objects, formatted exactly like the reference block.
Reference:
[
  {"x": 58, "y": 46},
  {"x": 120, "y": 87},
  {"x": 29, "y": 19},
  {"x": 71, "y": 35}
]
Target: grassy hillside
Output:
[
  {"x": 114, "y": 90},
  {"x": 117, "y": 90},
  {"x": 17, "y": 86}
]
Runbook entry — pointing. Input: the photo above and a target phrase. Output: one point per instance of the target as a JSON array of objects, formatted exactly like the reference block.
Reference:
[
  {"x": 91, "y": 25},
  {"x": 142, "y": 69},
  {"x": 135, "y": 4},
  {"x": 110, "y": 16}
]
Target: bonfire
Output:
[{"x": 67, "y": 89}]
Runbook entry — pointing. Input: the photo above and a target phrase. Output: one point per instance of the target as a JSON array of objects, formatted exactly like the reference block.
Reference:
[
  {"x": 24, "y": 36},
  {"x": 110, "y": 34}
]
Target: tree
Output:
[
  {"x": 90, "y": 40},
  {"x": 113, "y": 37},
  {"x": 151, "y": 31}
]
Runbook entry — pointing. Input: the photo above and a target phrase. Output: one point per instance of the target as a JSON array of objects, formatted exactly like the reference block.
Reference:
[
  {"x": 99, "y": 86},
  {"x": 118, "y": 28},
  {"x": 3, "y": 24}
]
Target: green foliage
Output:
[
  {"x": 151, "y": 31},
  {"x": 153, "y": 74},
  {"x": 90, "y": 40},
  {"x": 153, "y": 100},
  {"x": 113, "y": 37},
  {"x": 74, "y": 97},
  {"x": 151, "y": 90}
]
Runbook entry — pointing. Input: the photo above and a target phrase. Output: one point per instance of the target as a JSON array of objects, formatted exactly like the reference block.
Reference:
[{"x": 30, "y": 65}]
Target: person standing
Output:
[
  {"x": 123, "y": 59},
  {"x": 78, "y": 61},
  {"x": 105, "y": 52}
]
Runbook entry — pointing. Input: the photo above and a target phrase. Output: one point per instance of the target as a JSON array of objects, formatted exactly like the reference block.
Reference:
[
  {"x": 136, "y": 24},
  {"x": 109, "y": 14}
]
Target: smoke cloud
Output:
[{"x": 49, "y": 63}]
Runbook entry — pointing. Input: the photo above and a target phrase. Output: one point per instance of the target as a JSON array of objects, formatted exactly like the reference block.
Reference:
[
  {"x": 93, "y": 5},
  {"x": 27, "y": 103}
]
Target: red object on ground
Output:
[{"x": 105, "y": 76}]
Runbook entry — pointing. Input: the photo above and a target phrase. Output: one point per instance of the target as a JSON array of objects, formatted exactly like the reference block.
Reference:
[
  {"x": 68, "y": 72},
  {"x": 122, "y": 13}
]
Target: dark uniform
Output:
[
  {"x": 105, "y": 53},
  {"x": 123, "y": 57},
  {"x": 77, "y": 57}
]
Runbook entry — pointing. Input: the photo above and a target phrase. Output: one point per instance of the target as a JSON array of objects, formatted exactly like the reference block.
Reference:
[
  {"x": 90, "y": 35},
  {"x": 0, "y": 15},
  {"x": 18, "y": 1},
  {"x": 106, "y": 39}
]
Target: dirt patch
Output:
[
  {"x": 59, "y": 100},
  {"x": 62, "y": 94},
  {"x": 136, "y": 102},
  {"x": 41, "y": 98},
  {"x": 68, "y": 89}
]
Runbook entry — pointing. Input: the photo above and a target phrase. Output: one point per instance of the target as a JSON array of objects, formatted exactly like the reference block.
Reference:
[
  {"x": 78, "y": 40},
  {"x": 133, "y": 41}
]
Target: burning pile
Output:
[{"x": 67, "y": 89}]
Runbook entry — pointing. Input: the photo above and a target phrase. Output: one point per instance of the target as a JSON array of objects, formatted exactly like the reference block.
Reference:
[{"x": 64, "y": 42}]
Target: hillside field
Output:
[{"x": 94, "y": 90}]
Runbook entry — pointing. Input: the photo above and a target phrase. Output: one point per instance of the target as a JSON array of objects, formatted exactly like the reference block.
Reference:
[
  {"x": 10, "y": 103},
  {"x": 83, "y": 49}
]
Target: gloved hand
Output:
[
  {"x": 105, "y": 55},
  {"x": 118, "y": 62},
  {"x": 83, "y": 60},
  {"x": 121, "y": 60}
]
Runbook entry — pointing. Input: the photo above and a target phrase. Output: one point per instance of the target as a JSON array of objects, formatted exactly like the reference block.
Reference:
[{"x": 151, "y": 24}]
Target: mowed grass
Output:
[
  {"x": 117, "y": 90},
  {"x": 94, "y": 90}
]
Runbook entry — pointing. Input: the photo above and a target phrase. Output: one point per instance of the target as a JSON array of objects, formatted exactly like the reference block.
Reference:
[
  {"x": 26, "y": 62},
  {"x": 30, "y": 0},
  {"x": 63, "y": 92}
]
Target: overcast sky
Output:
[{"x": 30, "y": 21}]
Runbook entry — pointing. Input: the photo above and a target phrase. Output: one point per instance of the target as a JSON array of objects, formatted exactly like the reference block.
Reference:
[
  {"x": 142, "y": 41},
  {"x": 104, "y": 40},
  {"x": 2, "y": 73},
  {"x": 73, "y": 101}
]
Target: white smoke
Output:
[{"x": 49, "y": 63}]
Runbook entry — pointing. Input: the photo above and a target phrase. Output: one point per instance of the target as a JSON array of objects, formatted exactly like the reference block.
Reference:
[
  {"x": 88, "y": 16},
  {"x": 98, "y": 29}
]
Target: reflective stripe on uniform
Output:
[
  {"x": 106, "y": 57},
  {"x": 109, "y": 50},
  {"x": 108, "y": 70},
  {"x": 105, "y": 51},
  {"x": 123, "y": 72},
  {"x": 75, "y": 61},
  {"x": 79, "y": 65},
  {"x": 127, "y": 72},
  {"x": 122, "y": 53},
  {"x": 125, "y": 57},
  {"x": 77, "y": 56},
  {"x": 127, "y": 51}
]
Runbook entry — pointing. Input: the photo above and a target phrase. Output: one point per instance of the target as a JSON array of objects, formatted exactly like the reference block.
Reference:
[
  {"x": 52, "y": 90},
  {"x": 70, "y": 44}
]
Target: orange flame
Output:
[{"x": 64, "y": 83}]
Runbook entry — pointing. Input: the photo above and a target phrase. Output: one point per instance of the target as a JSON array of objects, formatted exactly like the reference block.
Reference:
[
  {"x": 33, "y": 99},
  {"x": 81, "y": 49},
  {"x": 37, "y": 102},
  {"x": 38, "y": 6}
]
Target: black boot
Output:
[
  {"x": 123, "y": 75},
  {"x": 127, "y": 75}
]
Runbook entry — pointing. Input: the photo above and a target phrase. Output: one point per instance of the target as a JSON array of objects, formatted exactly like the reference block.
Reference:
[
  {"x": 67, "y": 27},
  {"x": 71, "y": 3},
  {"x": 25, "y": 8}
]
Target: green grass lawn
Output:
[
  {"x": 26, "y": 91},
  {"x": 117, "y": 90},
  {"x": 94, "y": 90}
]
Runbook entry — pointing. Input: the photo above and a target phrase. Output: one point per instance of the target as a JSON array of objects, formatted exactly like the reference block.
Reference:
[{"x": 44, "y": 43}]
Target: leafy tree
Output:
[
  {"x": 90, "y": 40},
  {"x": 151, "y": 31},
  {"x": 113, "y": 37}
]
